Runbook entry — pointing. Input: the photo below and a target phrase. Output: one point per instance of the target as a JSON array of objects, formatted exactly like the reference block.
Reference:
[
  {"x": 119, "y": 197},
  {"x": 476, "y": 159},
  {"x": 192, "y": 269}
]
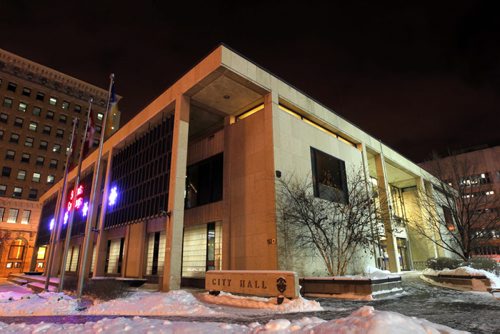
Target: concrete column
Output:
[
  {"x": 385, "y": 207},
  {"x": 175, "y": 214},
  {"x": 101, "y": 243},
  {"x": 425, "y": 189}
]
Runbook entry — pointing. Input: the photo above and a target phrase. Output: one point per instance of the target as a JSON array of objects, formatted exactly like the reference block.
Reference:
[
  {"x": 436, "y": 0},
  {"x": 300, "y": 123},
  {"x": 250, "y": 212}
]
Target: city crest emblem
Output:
[{"x": 281, "y": 284}]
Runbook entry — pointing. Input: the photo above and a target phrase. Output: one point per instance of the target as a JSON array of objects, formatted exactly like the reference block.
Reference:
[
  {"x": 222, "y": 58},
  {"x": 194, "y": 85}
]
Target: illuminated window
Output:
[
  {"x": 21, "y": 175},
  {"x": 16, "y": 251},
  {"x": 36, "y": 177},
  {"x": 52, "y": 101},
  {"x": 29, "y": 141},
  {"x": 25, "y": 219},
  {"x": 12, "y": 216},
  {"x": 250, "y": 112},
  {"x": 33, "y": 126},
  {"x": 50, "y": 178},
  {"x": 22, "y": 107},
  {"x": 329, "y": 177},
  {"x": 65, "y": 105},
  {"x": 56, "y": 148},
  {"x": 3, "y": 191},
  {"x": 40, "y": 255},
  {"x": 100, "y": 116},
  {"x": 18, "y": 192}
]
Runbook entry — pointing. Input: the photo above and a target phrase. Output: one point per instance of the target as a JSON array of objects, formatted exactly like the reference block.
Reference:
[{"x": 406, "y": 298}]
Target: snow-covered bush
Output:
[
  {"x": 440, "y": 263},
  {"x": 483, "y": 263}
]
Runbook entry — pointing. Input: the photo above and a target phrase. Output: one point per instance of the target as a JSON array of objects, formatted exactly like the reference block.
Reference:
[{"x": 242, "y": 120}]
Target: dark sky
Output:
[{"x": 419, "y": 77}]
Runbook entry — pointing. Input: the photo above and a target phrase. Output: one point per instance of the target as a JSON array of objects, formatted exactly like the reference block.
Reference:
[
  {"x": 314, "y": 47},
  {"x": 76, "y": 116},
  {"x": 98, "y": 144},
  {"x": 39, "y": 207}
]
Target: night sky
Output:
[{"x": 419, "y": 77}]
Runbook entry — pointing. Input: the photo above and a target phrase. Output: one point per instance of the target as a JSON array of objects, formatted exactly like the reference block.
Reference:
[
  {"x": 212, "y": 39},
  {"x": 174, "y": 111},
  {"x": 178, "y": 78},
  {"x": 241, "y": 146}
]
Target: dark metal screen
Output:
[{"x": 141, "y": 177}]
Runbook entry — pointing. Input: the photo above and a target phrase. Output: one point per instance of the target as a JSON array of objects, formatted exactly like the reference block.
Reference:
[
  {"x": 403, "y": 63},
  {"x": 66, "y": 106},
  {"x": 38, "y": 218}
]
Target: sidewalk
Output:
[{"x": 6, "y": 286}]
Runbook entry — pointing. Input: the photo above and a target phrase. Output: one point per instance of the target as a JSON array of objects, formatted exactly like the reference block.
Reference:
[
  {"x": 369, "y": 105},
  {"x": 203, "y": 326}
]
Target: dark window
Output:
[
  {"x": 39, "y": 161},
  {"x": 329, "y": 178},
  {"x": 62, "y": 119},
  {"x": 53, "y": 163},
  {"x": 43, "y": 145},
  {"x": 1, "y": 134},
  {"x": 12, "y": 87},
  {"x": 3, "y": 191},
  {"x": 14, "y": 138},
  {"x": 33, "y": 194},
  {"x": 77, "y": 108},
  {"x": 10, "y": 155},
  {"x": 50, "y": 115},
  {"x": 25, "y": 158},
  {"x": 47, "y": 129},
  {"x": 59, "y": 133},
  {"x": 204, "y": 182},
  {"x": 7, "y": 102},
  {"x": 4, "y": 118},
  {"x": 6, "y": 171},
  {"x": 40, "y": 96},
  {"x": 18, "y": 122},
  {"x": 37, "y": 111},
  {"x": 26, "y": 91}
]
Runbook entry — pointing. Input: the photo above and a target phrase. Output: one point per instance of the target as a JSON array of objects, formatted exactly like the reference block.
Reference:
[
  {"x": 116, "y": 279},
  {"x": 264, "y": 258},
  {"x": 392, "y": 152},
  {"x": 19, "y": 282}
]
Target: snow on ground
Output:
[
  {"x": 464, "y": 271},
  {"x": 364, "y": 320},
  {"x": 288, "y": 306},
  {"x": 47, "y": 303}
]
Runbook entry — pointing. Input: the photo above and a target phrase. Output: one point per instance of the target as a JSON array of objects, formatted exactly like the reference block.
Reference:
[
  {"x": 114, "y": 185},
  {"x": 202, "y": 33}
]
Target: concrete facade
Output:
[{"x": 238, "y": 124}]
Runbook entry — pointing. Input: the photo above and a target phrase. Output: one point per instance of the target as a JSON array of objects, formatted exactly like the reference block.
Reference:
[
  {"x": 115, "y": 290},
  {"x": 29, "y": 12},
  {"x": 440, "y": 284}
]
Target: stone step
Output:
[
  {"x": 40, "y": 287},
  {"x": 17, "y": 280}
]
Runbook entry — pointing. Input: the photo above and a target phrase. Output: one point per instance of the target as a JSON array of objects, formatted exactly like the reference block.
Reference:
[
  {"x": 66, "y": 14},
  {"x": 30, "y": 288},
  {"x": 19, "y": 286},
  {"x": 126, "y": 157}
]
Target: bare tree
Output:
[
  {"x": 461, "y": 212},
  {"x": 336, "y": 229}
]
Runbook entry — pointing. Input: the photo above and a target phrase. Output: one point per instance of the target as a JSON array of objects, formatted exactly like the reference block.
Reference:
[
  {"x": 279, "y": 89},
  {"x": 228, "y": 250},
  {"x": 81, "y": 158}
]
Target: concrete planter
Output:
[
  {"x": 339, "y": 287},
  {"x": 462, "y": 282}
]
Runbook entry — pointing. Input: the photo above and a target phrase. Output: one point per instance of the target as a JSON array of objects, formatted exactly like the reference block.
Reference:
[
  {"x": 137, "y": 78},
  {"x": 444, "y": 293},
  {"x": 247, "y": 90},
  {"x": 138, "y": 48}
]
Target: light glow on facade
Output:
[{"x": 113, "y": 195}]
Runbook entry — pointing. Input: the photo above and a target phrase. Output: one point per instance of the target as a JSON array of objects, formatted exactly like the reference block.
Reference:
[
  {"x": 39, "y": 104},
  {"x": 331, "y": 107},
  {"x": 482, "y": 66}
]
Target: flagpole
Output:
[
  {"x": 73, "y": 201},
  {"x": 55, "y": 233},
  {"x": 88, "y": 226}
]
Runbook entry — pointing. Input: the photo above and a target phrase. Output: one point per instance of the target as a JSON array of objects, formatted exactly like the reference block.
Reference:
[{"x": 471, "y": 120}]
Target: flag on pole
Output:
[
  {"x": 89, "y": 138},
  {"x": 114, "y": 113}
]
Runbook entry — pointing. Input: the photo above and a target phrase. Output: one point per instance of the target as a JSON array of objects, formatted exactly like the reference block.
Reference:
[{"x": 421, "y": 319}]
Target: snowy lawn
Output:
[
  {"x": 183, "y": 303},
  {"x": 364, "y": 320}
]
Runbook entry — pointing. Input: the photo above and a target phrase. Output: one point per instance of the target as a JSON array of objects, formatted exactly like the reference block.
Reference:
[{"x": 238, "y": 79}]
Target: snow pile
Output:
[
  {"x": 7, "y": 296},
  {"x": 48, "y": 303},
  {"x": 367, "y": 320},
  {"x": 364, "y": 320},
  {"x": 176, "y": 302},
  {"x": 375, "y": 273},
  {"x": 288, "y": 306}
]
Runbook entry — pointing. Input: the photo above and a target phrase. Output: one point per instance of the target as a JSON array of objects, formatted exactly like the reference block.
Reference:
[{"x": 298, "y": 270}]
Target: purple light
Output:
[
  {"x": 66, "y": 217},
  {"x": 51, "y": 224},
  {"x": 85, "y": 209},
  {"x": 113, "y": 195}
]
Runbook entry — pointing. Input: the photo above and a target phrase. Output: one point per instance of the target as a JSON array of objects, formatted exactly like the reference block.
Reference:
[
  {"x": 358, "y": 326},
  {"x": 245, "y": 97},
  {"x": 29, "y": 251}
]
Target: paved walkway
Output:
[{"x": 6, "y": 286}]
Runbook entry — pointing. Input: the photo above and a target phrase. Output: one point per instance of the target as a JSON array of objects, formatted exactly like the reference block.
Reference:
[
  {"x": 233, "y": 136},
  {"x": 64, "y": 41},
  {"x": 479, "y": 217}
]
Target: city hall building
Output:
[{"x": 190, "y": 183}]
